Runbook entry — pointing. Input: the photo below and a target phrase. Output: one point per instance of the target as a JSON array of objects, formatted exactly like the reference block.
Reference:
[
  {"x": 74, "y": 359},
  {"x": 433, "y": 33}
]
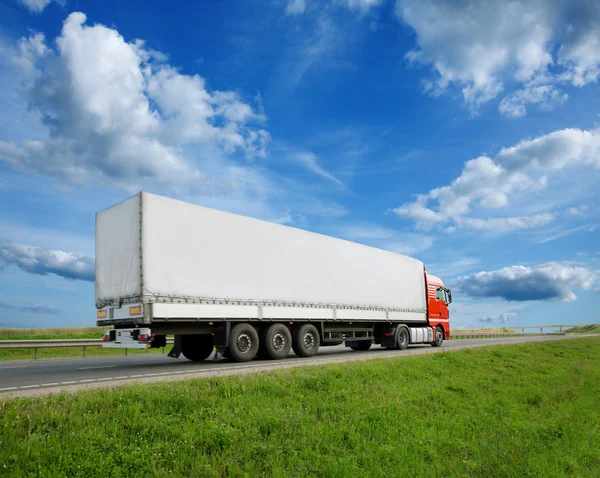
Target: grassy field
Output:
[
  {"x": 584, "y": 329},
  {"x": 518, "y": 410},
  {"x": 489, "y": 330},
  {"x": 57, "y": 333}
]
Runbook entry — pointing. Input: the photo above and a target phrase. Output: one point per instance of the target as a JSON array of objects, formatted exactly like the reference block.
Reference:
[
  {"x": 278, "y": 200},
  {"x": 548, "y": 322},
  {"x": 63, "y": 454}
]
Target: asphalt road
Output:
[{"x": 55, "y": 375}]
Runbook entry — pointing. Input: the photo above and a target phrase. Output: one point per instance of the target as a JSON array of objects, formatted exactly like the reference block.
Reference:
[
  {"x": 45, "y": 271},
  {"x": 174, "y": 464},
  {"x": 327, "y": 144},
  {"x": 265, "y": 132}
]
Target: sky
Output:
[{"x": 463, "y": 133}]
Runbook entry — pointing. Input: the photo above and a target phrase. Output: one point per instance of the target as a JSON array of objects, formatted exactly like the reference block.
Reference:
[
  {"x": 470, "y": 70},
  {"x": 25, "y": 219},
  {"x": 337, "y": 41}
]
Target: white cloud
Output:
[
  {"x": 553, "y": 151},
  {"x": 483, "y": 47},
  {"x": 385, "y": 238},
  {"x": 488, "y": 184},
  {"x": 118, "y": 116},
  {"x": 580, "y": 52},
  {"x": 568, "y": 232},
  {"x": 500, "y": 318},
  {"x": 295, "y": 7},
  {"x": 30, "y": 50},
  {"x": 35, "y": 309},
  {"x": 35, "y": 6},
  {"x": 36, "y": 260},
  {"x": 578, "y": 211},
  {"x": 547, "y": 96},
  {"x": 362, "y": 6},
  {"x": 309, "y": 161},
  {"x": 550, "y": 281}
]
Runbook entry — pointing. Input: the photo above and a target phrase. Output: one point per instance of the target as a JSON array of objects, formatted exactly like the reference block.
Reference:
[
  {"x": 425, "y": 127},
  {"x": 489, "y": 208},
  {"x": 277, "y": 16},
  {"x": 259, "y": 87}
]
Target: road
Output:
[{"x": 30, "y": 377}]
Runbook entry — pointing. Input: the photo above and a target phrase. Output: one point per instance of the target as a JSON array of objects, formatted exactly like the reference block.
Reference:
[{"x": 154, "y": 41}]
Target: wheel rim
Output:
[
  {"x": 278, "y": 341},
  {"x": 403, "y": 338},
  {"x": 309, "y": 341},
  {"x": 438, "y": 336},
  {"x": 244, "y": 343}
]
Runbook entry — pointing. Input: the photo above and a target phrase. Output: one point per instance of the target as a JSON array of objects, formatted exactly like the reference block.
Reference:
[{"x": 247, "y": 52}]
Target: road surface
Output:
[{"x": 20, "y": 377}]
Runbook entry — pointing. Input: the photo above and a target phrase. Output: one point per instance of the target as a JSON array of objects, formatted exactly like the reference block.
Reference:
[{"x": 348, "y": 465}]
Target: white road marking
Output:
[
  {"x": 29, "y": 386},
  {"x": 49, "y": 384},
  {"x": 68, "y": 383},
  {"x": 16, "y": 366},
  {"x": 88, "y": 380},
  {"x": 100, "y": 366},
  {"x": 8, "y": 388}
]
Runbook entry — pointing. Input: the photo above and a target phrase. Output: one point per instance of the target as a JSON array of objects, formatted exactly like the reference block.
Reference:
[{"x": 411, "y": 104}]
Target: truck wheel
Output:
[
  {"x": 439, "y": 337},
  {"x": 362, "y": 345},
  {"x": 402, "y": 339},
  {"x": 306, "y": 340},
  {"x": 196, "y": 347},
  {"x": 243, "y": 343},
  {"x": 278, "y": 341}
]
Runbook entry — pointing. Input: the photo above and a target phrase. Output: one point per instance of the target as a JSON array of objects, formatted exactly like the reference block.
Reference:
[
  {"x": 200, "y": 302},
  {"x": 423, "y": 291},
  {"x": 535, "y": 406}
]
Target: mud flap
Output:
[
  {"x": 176, "y": 350},
  {"x": 221, "y": 340}
]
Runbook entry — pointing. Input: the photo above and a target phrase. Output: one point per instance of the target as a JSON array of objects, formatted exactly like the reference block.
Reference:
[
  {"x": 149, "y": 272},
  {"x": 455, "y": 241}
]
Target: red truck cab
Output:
[{"x": 438, "y": 299}]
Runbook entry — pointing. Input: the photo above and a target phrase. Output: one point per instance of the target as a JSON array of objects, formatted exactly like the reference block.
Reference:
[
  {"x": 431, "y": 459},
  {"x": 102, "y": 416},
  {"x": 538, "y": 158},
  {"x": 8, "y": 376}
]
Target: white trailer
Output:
[{"x": 246, "y": 286}]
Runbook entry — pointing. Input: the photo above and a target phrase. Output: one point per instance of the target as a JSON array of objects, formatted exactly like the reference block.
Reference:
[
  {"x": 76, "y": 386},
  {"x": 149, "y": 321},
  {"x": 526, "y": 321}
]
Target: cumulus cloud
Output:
[
  {"x": 35, "y": 6},
  {"x": 36, "y": 260},
  {"x": 500, "y": 318},
  {"x": 578, "y": 211},
  {"x": 550, "y": 281},
  {"x": 481, "y": 47},
  {"x": 547, "y": 96},
  {"x": 34, "y": 309},
  {"x": 488, "y": 183},
  {"x": 118, "y": 115}
]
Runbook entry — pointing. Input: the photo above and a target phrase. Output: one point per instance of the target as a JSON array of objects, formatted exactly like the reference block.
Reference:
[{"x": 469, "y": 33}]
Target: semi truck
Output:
[{"x": 242, "y": 287}]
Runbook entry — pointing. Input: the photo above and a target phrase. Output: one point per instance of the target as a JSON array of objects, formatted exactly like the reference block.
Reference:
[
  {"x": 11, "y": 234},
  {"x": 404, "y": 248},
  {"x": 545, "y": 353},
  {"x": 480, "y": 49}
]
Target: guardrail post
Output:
[
  {"x": 84, "y": 351},
  {"x": 35, "y": 353},
  {"x": 126, "y": 351},
  {"x": 541, "y": 330}
]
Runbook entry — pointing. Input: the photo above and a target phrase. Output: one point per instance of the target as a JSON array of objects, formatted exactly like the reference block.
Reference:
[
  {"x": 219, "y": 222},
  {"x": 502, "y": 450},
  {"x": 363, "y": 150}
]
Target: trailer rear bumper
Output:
[{"x": 137, "y": 338}]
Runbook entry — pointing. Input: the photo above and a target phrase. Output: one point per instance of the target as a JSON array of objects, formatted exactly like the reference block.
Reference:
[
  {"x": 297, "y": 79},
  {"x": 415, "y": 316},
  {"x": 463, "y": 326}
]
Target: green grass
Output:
[
  {"x": 71, "y": 352},
  {"x": 57, "y": 333},
  {"x": 584, "y": 329},
  {"x": 518, "y": 410}
]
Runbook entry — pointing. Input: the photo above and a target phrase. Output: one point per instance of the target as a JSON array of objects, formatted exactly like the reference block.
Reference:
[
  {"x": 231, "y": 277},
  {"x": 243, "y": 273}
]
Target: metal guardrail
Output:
[
  {"x": 500, "y": 335},
  {"x": 47, "y": 344}
]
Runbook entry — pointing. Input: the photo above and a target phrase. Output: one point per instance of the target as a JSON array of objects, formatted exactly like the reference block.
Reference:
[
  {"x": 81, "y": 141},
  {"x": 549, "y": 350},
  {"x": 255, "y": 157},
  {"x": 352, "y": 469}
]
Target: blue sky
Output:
[{"x": 465, "y": 134}]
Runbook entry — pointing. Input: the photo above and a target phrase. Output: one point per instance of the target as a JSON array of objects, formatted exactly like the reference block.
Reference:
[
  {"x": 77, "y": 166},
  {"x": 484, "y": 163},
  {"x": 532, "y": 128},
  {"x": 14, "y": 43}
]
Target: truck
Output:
[{"x": 236, "y": 287}]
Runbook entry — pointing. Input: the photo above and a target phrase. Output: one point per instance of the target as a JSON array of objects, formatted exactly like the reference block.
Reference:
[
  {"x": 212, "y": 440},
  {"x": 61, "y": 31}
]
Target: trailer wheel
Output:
[
  {"x": 306, "y": 340},
  {"x": 243, "y": 343},
  {"x": 196, "y": 347},
  {"x": 362, "y": 345},
  {"x": 439, "y": 337},
  {"x": 278, "y": 341},
  {"x": 402, "y": 338}
]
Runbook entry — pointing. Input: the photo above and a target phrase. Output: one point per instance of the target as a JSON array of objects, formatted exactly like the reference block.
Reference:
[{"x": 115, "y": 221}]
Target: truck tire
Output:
[
  {"x": 439, "y": 337},
  {"x": 278, "y": 341},
  {"x": 243, "y": 343},
  {"x": 362, "y": 345},
  {"x": 402, "y": 338},
  {"x": 196, "y": 347},
  {"x": 306, "y": 340}
]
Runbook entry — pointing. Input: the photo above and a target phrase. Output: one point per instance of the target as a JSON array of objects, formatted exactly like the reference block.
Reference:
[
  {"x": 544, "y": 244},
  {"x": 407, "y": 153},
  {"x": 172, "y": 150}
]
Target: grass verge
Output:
[
  {"x": 584, "y": 329},
  {"x": 55, "y": 333},
  {"x": 71, "y": 352},
  {"x": 518, "y": 410}
]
